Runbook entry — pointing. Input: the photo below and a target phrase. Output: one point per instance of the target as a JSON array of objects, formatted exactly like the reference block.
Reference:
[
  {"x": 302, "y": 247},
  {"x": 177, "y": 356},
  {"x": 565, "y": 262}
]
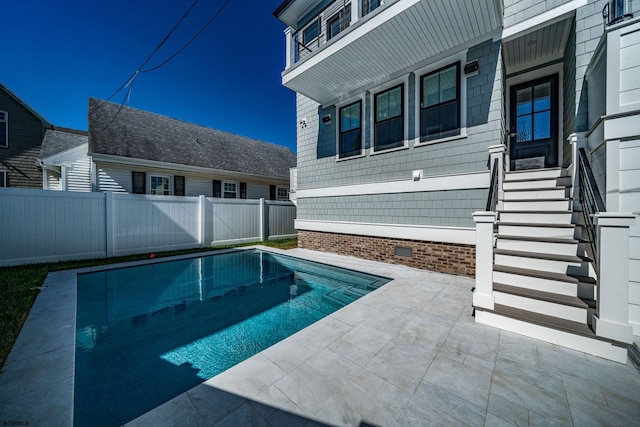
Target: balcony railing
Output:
[{"x": 326, "y": 25}]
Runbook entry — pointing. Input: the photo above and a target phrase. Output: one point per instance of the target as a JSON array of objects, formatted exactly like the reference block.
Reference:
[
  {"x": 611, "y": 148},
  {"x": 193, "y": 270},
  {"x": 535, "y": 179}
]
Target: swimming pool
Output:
[{"x": 147, "y": 334}]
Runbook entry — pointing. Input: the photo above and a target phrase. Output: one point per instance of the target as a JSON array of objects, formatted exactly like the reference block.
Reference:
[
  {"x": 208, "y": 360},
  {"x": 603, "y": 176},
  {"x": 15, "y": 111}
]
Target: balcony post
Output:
[
  {"x": 497, "y": 151},
  {"x": 288, "y": 33},
  {"x": 483, "y": 293},
  {"x": 354, "y": 11},
  {"x": 611, "y": 319}
]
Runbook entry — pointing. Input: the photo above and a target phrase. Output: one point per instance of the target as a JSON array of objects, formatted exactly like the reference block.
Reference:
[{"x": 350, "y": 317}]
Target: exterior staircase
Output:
[{"x": 543, "y": 282}]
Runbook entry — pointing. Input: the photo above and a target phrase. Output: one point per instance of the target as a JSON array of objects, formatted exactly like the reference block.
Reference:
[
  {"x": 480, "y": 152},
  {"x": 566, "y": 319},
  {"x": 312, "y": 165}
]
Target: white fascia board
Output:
[
  {"x": 130, "y": 161},
  {"x": 379, "y": 19},
  {"x": 478, "y": 180},
  {"x": 458, "y": 235},
  {"x": 544, "y": 19}
]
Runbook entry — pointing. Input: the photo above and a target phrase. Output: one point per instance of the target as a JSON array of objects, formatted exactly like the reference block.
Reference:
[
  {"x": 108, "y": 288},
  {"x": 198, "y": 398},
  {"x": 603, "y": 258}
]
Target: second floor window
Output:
[
  {"x": 283, "y": 193},
  {"x": 4, "y": 127},
  {"x": 389, "y": 118},
  {"x": 350, "y": 130},
  {"x": 338, "y": 22},
  {"x": 230, "y": 190},
  {"x": 160, "y": 185},
  {"x": 440, "y": 103},
  {"x": 369, "y": 6},
  {"x": 311, "y": 32}
]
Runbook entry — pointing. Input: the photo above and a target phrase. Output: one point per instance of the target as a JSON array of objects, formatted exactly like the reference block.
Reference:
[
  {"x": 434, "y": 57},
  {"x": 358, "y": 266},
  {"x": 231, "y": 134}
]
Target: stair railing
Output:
[
  {"x": 492, "y": 200},
  {"x": 590, "y": 200}
]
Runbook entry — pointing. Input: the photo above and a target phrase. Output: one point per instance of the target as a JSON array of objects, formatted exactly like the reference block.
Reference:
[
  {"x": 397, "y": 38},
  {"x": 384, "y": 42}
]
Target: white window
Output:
[
  {"x": 160, "y": 185},
  {"x": 3, "y": 179},
  {"x": 4, "y": 129},
  {"x": 230, "y": 190},
  {"x": 282, "y": 193}
]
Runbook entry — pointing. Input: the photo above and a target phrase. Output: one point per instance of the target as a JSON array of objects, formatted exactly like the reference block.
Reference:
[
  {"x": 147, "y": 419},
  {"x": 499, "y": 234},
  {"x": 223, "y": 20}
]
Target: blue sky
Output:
[{"x": 59, "y": 53}]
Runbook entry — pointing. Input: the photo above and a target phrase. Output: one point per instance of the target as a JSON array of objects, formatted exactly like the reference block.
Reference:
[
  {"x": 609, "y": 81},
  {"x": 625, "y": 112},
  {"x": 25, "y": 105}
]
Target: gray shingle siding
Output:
[
  {"x": 569, "y": 91},
  {"x": 25, "y": 132},
  {"x": 318, "y": 168},
  {"x": 437, "y": 208},
  {"x": 517, "y": 11}
]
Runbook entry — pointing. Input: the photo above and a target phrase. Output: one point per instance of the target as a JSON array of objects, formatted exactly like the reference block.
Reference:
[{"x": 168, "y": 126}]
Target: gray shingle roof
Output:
[
  {"x": 57, "y": 140},
  {"x": 140, "y": 134}
]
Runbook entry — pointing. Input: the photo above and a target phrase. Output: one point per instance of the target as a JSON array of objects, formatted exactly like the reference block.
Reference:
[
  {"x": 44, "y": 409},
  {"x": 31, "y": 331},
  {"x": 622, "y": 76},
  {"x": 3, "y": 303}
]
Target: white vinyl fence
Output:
[{"x": 43, "y": 226}]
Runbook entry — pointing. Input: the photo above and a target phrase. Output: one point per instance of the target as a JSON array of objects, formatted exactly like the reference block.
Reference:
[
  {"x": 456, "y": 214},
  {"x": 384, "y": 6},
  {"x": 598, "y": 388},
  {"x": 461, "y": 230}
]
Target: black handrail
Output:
[
  {"x": 492, "y": 201},
  {"x": 590, "y": 200}
]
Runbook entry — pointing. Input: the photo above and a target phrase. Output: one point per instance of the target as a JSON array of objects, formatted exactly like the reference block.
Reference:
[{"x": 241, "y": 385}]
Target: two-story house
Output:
[
  {"x": 21, "y": 132},
  {"x": 412, "y": 115}
]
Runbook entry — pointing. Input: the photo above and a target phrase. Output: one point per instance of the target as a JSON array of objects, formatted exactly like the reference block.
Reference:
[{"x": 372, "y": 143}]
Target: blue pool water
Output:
[{"x": 147, "y": 334}]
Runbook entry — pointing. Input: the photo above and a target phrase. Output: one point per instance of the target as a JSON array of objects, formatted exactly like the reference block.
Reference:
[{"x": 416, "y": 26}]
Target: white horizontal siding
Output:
[
  {"x": 53, "y": 181},
  {"x": 257, "y": 191},
  {"x": 79, "y": 175},
  {"x": 196, "y": 186},
  {"x": 113, "y": 179}
]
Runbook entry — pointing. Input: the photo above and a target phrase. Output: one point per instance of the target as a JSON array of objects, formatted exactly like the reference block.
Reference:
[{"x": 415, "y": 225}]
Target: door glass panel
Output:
[
  {"x": 542, "y": 125},
  {"x": 524, "y": 129},
  {"x": 524, "y": 101},
  {"x": 542, "y": 97}
]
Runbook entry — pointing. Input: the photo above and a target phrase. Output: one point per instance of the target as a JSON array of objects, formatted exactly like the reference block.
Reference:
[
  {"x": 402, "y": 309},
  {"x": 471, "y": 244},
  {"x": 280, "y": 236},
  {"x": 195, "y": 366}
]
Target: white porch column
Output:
[
  {"x": 288, "y": 33},
  {"x": 483, "y": 294},
  {"x": 497, "y": 152},
  {"x": 612, "y": 316}
]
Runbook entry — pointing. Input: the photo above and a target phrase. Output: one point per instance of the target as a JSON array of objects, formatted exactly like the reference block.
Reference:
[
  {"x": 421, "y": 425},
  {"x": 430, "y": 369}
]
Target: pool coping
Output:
[{"x": 41, "y": 364}]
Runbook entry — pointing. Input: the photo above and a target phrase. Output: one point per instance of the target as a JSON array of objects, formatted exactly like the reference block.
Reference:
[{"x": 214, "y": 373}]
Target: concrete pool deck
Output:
[{"x": 408, "y": 353}]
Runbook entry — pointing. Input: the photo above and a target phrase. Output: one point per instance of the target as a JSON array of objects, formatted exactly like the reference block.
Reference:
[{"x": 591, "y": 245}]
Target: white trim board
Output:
[
  {"x": 547, "y": 18},
  {"x": 477, "y": 180},
  {"x": 458, "y": 235}
]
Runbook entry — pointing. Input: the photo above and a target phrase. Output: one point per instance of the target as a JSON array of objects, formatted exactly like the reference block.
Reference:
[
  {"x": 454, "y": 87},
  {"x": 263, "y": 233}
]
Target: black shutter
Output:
[
  {"x": 272, "y": 192},
  {"x": 139, "y": 184},
  {"x": 178, "y": 185},
  {"x": 243, "y": 190},
  {"x": 217, "y": 188}
]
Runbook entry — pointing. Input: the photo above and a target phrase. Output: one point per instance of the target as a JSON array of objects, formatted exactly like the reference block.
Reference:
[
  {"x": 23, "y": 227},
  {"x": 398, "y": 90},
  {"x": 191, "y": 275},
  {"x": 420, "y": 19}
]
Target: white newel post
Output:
[
  {"x": 612, "y": 315},
  {"x": 497, "y": 152},
  {"x": 354, "y": 11},
  {"x": 288, "y": 33},
  {"x": 483, "y": 294}
]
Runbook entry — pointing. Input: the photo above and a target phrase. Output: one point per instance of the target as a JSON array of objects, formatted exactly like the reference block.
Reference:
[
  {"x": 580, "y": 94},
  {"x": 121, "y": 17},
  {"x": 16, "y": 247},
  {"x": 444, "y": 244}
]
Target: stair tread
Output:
[
  {"x": 535, "y": 273},
  {"x": 538, "y": 239},
  {"x": 529, "y": 211},
  {"x": 527, "y": 224},
  {"x": 551, "y": 322},
  {"x": 584, "y": 279},
  {"x": 538, "y": 255},
  {"x": 540, "y": 295},
  {"x": 536, "y": 170},
  {"x": 516, "y": 179},
  {"x": 514, "y": 190},
  {"x": 557, "y": 199}
]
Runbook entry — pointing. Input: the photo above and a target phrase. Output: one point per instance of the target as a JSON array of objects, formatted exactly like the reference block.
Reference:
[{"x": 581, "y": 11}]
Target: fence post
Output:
[
  {"x": 483, "y": 293},
  {"x": 264, "y": 217},
  {"x": 612, "y": 315},
  {"x": 108, "y": 206},
  {"x": 202, "y": 218}
]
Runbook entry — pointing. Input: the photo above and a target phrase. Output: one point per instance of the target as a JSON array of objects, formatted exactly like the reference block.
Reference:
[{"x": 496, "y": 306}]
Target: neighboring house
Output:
[
  {"x": 21, "y": 133},
  {"x": 400, "y": 107},
  {"x": 64, "y": 160},
  {"x": 136, "y": 151}
]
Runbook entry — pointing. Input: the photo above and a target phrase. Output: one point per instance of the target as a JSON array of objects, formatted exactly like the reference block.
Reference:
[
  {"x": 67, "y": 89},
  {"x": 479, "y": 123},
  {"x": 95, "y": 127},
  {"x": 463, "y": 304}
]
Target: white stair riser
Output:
[
  {"x": 536, "y": 218},
  {"x": 534, "y": 174},
  {"x": 575, "y": 314},
  {"x": 547, "y": 205},
  {"x": 528, "y": 185},
  {"x": 559, "y": 193},
  {"x": 539, "y": 247},
  {"x": 536, "y": 283},
  {"x": 549, "y": 265},
  {"x": 565, "y": 339},
  {"x": 533, "y": 231}
]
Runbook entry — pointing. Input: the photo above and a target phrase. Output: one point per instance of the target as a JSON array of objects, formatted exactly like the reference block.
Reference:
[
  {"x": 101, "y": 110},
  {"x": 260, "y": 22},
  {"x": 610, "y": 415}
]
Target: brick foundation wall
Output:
[{"x": 448, "y": 258}]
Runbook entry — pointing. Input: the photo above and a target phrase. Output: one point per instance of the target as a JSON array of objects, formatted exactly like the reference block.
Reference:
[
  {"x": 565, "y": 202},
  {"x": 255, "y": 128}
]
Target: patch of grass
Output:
[{"x": 20, "y": 285}]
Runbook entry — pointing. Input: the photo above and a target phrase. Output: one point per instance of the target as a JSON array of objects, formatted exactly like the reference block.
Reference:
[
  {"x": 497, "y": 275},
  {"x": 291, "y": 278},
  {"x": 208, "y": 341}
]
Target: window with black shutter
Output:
[
  {"x": 217, "y": 188},
  {"x": 243, "y": 190},
  {"x": 138, "y": 182},
  {"x": 178, "y": 185}
]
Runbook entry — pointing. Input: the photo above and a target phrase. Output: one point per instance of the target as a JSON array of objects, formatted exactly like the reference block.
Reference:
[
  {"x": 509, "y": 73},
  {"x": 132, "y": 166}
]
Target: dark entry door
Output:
[{"x": 533, "y": 141}]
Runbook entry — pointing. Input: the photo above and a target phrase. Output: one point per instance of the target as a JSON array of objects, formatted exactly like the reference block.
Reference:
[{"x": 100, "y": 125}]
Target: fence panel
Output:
[
  {"x": 233, "y": 221},
  {"x": 44, "y": 226},
  {"x": 282, "y": 216},
  {"x": 151, "y": 223}
]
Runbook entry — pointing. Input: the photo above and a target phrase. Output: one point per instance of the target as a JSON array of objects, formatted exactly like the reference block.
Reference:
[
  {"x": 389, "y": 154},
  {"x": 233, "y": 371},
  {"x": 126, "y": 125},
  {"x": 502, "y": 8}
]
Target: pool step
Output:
[{"x": 338, "y": 296}]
